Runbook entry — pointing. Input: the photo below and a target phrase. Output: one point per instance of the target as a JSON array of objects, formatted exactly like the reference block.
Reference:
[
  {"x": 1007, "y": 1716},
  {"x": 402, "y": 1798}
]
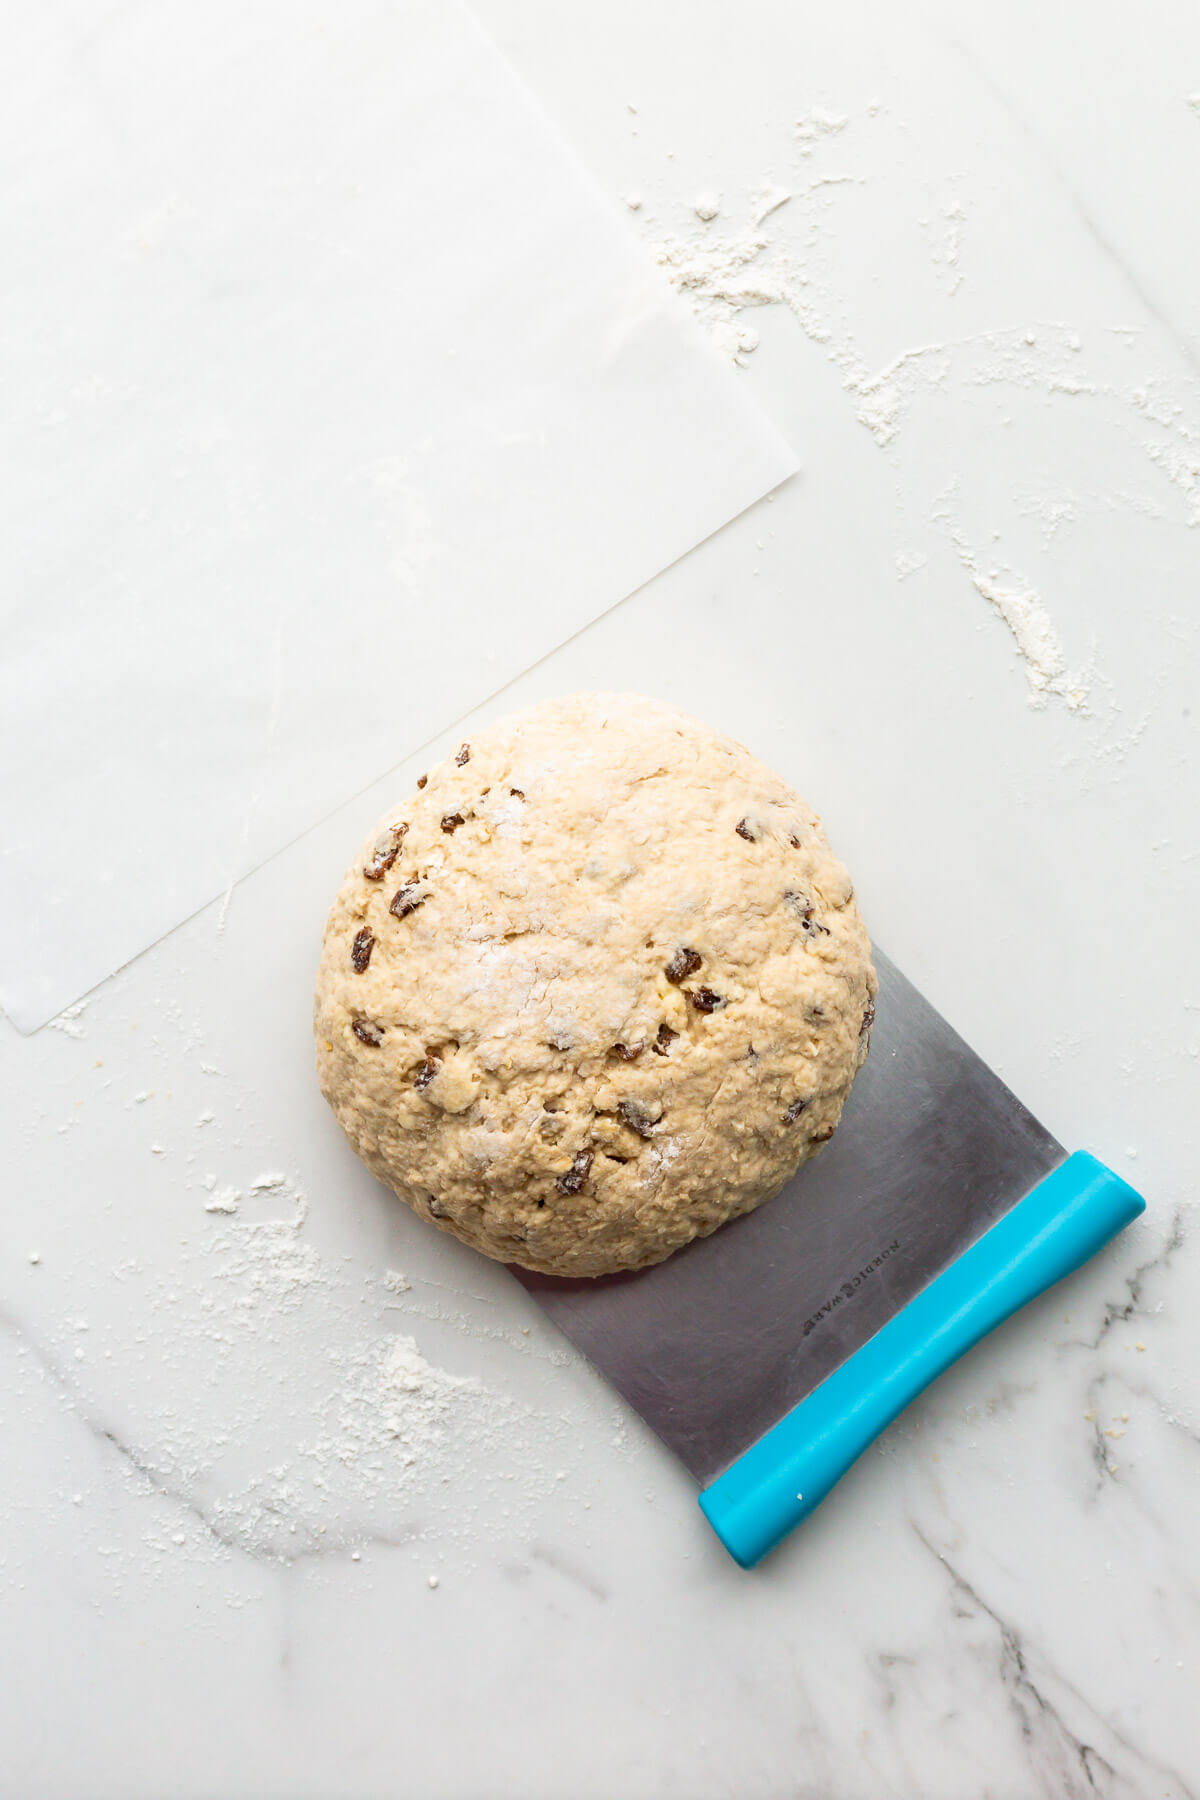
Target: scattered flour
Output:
[
  {"x": 766, "y": 200},
  {"x": 723, "y": 278},
  {"x": 267, "y": 1259},
  {"x": 1052, "y": 512},
  {"x": 780, "y": 259},
  {"x": 816, "y": 125},
  {"x": 706, "y": 207},
  {"x": 718, "y": 281},
  {"x": 67, "y": 1021},
  {"x": 317, "y": 1429},
  {"x": 1180, "y": 463},
  {"x": 1032, "y": 629},
  {"x": 944, "y": 232},
  {"x": 908, "y": 562},
  {"x": 224, "y": 1200}
]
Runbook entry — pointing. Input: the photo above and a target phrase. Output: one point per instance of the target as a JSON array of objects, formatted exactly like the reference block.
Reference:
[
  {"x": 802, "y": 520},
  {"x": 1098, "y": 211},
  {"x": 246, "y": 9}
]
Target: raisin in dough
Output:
[{"x": 596, "y": 987}]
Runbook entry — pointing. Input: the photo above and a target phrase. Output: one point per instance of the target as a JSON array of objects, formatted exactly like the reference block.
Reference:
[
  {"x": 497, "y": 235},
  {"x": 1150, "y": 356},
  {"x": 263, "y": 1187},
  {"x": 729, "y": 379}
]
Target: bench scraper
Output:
[{"x": 771, "y": 1354}]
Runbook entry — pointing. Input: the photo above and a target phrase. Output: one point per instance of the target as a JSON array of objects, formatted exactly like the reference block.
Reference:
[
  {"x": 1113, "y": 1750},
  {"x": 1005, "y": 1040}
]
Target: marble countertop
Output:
[{"x": 257, "y": 1542}]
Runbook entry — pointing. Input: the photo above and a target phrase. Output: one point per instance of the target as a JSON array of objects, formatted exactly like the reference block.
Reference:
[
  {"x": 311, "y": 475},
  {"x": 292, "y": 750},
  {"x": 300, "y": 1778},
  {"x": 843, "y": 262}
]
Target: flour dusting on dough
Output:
[{"x": 668, "y": 995}]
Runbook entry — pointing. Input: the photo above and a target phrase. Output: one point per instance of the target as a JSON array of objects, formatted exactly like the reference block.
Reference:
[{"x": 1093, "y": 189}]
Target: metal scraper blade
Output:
[{"x": 722, "y": 1340}]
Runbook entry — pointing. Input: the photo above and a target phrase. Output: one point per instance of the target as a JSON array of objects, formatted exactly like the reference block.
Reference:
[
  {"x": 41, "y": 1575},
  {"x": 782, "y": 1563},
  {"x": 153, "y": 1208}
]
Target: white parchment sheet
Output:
[{"x": 333, "y": 395}]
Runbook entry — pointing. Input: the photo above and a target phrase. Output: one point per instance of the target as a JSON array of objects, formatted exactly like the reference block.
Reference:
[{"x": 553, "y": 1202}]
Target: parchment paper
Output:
[{"x": 334, "y": 395}]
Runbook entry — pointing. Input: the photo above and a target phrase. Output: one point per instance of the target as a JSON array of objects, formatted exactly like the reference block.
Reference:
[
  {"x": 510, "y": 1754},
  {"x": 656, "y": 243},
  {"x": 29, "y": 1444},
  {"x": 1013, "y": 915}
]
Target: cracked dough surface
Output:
[{"x": 596, "y": 987}]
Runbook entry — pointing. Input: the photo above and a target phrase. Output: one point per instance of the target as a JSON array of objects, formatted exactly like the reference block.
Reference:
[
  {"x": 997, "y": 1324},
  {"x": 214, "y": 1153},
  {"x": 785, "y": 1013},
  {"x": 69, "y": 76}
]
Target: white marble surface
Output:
[{"x": 215, "y": 1562}]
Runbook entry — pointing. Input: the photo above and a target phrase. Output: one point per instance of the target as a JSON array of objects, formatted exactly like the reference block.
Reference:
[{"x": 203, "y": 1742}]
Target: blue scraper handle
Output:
[{"x": 775, "y": 1484}]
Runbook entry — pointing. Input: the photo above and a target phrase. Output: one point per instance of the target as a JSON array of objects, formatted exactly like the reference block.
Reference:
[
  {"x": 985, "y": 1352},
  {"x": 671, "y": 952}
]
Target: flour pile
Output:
[{"x": 348, "y": 1432}]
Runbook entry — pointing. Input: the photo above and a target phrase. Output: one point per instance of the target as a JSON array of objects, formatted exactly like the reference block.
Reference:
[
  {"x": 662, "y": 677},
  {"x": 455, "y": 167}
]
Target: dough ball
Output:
[{"x": 597, "y": 986}]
